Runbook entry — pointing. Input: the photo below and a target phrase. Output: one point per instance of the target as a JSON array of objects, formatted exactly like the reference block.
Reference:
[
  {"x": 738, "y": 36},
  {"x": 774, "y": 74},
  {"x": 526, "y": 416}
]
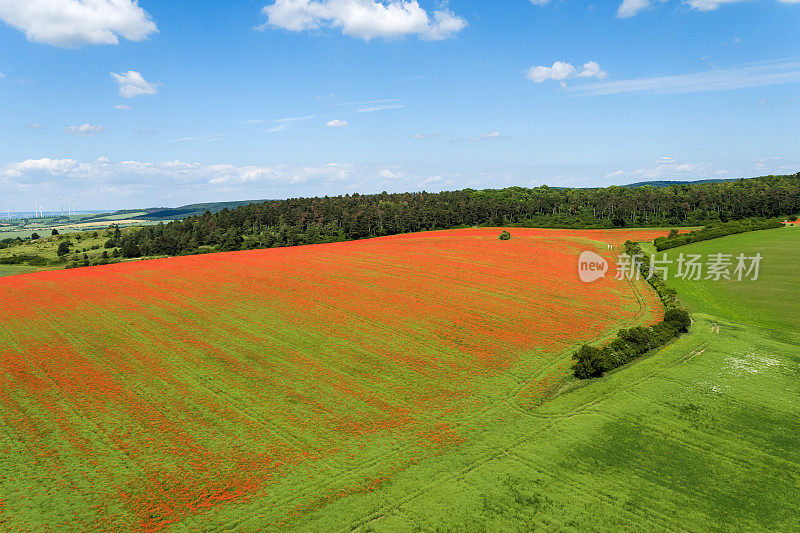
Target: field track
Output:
[{"x": 141, "y": 395}]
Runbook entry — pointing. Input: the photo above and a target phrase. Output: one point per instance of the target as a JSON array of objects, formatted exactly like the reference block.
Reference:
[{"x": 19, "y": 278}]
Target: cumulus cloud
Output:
[
  {"x": 121, "y": 184},
  {"x": 70, "y": 23},
  {"x": 37, "y": 166},
  {"x": 561, "y": 71},
  {"x": 133, "y": 84},
  {"x": 337, "y": 123},
  {"x": 631, "y": 8},
  {"x": 84, "y": 130},
  {"x": 365, "y": 19}
]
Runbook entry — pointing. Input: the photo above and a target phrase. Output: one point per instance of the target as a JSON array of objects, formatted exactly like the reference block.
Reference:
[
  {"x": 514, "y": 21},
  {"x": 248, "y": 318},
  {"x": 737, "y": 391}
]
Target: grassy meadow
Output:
[{"x": 417, "y": 382}]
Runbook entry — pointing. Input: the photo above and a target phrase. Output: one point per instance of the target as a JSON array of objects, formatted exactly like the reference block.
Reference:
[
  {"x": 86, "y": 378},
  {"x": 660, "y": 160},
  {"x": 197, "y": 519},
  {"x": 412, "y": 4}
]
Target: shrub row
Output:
[
  {"x": 717, "y": 230},
  {"x": 591, "y": 362},
  {"x": 22, "y": 259}
]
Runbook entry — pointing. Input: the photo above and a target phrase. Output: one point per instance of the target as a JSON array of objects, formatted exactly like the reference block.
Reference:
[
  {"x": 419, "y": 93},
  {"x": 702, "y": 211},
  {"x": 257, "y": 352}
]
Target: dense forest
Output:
[{"x": 329, "y": 219}]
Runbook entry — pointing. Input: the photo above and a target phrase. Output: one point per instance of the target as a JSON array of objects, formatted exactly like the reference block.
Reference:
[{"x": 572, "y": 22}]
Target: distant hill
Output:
[
  {"x": 668, "y": 183},
  {"x": 179, "y": 213}
]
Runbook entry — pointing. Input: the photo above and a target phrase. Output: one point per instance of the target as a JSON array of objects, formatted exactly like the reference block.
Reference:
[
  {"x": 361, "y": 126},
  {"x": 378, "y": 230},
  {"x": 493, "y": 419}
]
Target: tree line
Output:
[
  {"x": 591, "y": 362},
  {"x": 300, "y": 221}
]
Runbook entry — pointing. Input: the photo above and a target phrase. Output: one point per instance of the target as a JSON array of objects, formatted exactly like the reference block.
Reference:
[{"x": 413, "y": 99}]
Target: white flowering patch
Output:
[{"x": 751, "y": 364}]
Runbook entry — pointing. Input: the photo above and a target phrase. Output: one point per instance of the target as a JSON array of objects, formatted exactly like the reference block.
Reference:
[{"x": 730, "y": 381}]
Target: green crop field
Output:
[{"x": 258, "y": 390}]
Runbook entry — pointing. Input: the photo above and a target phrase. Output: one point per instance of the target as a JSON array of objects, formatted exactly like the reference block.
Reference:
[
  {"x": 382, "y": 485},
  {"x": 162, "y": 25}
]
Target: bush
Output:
[
  {"x": 505, "y": 236},
  {"x": 678, "y": 318},
  {"x": 588, "y": 362},
  {"x": 54, "y": 232},
  {"x": 34, "y": 236},
  {"x": 63, "y": 248}
]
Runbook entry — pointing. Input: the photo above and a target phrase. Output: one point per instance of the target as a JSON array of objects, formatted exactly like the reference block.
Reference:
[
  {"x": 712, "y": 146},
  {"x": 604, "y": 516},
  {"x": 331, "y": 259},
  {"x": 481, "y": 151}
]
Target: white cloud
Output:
[
  {"x": 666, "y": 168},
  {"x": 710, "y": 5},
  {"x": 419, "y": 137},
  {"x": 2, "y": 75},
  {"x": 592, "y": 69},
  {"x": 120, "y": 184},
  {"x": 70, "y": 23},
  {"x": 282, "y": 124},
  {"x": 631, "y": 8},
  {"x": 540, "y": 2},
  {"x": 122, "y": 107},
  {"x": 40, "y": 166},
  {"x": 390, "y": 174},
  {"x": 561, "y": 71},
  {"x": 491, "y": 136},
  {"x": 387, "y": 107},
  {"x": 84, "y": 130},
  {"x": 337, "y": 124},
  {"x": 35, "y": 126},
  {"x": 365, "y": 19},
  {"x": 745, "y": 76},
  {"x": 206, "y": 138},
  {"x": 132, "y": 84}
]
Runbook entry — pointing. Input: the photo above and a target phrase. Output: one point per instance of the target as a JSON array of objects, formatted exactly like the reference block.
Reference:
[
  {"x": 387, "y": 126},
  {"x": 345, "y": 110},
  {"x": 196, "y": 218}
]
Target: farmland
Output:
[
  {"x": 266, "y": 387},
  {"x": 417, "y": 381}
]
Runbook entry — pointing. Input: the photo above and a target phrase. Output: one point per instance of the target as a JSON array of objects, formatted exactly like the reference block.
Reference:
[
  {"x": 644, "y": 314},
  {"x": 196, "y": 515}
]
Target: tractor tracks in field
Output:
[{"x": 553, "y": 421}]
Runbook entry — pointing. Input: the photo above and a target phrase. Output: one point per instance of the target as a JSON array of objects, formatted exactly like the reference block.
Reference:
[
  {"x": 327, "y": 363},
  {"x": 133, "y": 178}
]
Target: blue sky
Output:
[{"x": 273, "y": 99}]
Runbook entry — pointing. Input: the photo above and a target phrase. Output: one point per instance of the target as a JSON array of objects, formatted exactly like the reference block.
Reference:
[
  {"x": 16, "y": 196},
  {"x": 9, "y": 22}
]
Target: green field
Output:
[
  {"x": 703, "y": 435},
  {"x": 23, "y": 228}
]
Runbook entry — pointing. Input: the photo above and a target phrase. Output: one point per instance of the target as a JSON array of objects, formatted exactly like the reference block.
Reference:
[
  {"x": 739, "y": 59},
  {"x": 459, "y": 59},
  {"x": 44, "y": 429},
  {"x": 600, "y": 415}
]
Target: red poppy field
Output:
[{"x": 248, "y": 390}]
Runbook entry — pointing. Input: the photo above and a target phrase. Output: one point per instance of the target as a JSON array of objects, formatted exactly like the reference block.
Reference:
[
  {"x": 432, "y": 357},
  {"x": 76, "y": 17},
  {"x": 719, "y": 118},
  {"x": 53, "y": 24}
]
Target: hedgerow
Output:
[
  {"x": 716, "y": 231},
  {"x": 591, "y": 362}
]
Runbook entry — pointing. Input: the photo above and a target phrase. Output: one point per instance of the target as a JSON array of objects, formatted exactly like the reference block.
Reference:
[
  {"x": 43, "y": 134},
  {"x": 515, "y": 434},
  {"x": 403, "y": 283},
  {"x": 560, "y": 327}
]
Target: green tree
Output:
[
  {"x": 34, "y": 236},
  {"x": 54, "y": 232},
  {"x": 63, "y": 248},
  {"x": 588, "y": 362},
  {"x": 129, "y": 249}
]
